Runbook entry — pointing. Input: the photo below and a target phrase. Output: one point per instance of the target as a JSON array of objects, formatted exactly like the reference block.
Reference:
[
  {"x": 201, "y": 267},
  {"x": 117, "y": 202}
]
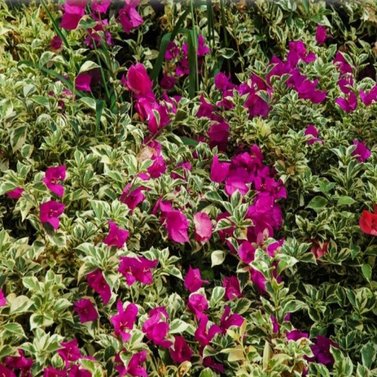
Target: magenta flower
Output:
[
  {"x": 180, "y": 351},
  {"x": 153, "y": 112},
  {"x": 85, "y": 309},
  {"x": 204, "y": 336},
  {"x": 203, "y": 227},
  {"x": 156, "y": 328},
  {"x": 100, "y": 6},
  {"x": 76, "y": 371},
  {"x": 218, "y": 135},
  {"x": 129, "y": 17},
  {"x": 361, "y": 152},
  {"x": 321, "y": 350},
  {"x": 137, "y": 269},
  {"x": 4, "y": 371},
  {"x": 342, "y": 64},
  {"x": 134, "y": 367},
  {"x": 219, "y": 170},
  {"x": 19, "y": 363},
  {"x": 222, "y": 82},
  {"x": 3, "y": 300},
  {"x": 313, "y": 133},
  {"x": 157, "y": 168},
  {"x": 193, "y": 280},
  {"x": 124, "y": 320},
  {"x": 297, "y": 51},
  {"x": 345, "y": 83},
  {"x": 306, "y": 88},
  {"x": 132, "y": 198},
  {"x": 138, "y": 81},
  {"x": 296, "y": 335},
  {"x": 172, "y": 51},
  {"x": 237, "y": 179},
  {"x": 246, "y": 252},
  {"x": 347, "y": 104},
  {"x": 56, "y": 42},
  {"x": 321, "y": 34},
  {"x": 369, "y": 97},
  {"x": 83, "y": 82},
  {"x": 176, "y": 223},
  {"x": 70, "y": 351},
  {"x": 117, "y": 236},
  {"x": 74, "y": 10},
  {"x": 167, "y": 82},
  {"x": 49, "y": 212},
  {"x": 53, "y": 372},
  {"x": 198, "y": 304},
  {"x": 206, "y": 109},
  {"x": 97, "y": 282},
  {"x": 228, "y": 320},
  {"x": 16, "y": 193},
  {"x": 232, "y": 287},
  {"x": 53, "y": 176},
  {"x": 209, "y": 362},
  {"x": 256, "y": 106},
  {"x": 258, "y": 279}
]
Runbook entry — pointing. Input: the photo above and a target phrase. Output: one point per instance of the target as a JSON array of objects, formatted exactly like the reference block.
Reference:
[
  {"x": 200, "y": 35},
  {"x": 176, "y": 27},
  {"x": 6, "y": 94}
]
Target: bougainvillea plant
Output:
[{"x": 188, "y": 189}]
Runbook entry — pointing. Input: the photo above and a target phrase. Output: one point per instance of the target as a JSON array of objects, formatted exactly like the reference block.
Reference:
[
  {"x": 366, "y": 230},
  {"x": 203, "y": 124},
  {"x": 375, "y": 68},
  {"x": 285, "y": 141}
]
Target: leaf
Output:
[
  {"x": 366, "y": 269},
  {"x": 345, "y": 201},
  {"x": 217, "y": 294},
  {"x": 217, "y": 257},
  {"x": 88, "y": 66},
  {"x": 13, "y": 329},
  {"x": 317, "y": 203},
  {"x": 19, "y": 304},
  {"x": 18, "y": 137},
  {"x": 207, "y": 372},
  {"x": 177, "y": 326},
  {"x": 368, "y": 354}
]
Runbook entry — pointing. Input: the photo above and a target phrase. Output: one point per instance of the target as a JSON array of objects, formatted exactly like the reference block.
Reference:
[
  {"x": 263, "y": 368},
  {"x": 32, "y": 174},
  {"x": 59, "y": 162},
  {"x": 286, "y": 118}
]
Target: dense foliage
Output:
[{"x": 188, "y": 189}]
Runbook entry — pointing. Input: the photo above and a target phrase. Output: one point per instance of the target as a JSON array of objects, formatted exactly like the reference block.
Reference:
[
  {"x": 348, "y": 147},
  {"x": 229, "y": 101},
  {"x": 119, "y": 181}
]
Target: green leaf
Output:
[
  {"x": 317, "y": 203},
  {"x": 217, "y": 257},
  {"x": 345, "y": 201},
  {"x": 217, "y": 295},
  {"x": 368, "y": 354},
  {"x": 13, "y": 329},
  {"x": 177, "y": 326},
  {"x": 366, "y": 269},
  {"x": 207, "y": 372},
  {"x": 20, "y": 304},
  {"x": 18, "y": 137},
  {"x": 88, "y": 66}
]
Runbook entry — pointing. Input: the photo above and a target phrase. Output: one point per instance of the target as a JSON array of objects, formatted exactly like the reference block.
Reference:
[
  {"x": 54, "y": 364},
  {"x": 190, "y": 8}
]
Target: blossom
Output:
[
  {"x": 369, "y": 97},
  {"x": 246, "y": 252},
  {"x": 172, "y": 51},
  {"x": 342, "y": 64},
  {"x": 321, "y": 350},
  {"x": 361, "y": 152},
  {"x": 204, "y": 336},
  {"x": 97, "y": 34},
  {"x": 258, "y": 279},
  {"x": 53, "y": 176},
  {"x": 20, "y": 363},
  {"x": 85, "y": 310},
  {"x": 134, "y": 367},
  {"x": 155, "y": 113},
  {"x": 209, "y": 362},
  {"x": 222, "y": 82},
  {"x": 4, "y": 371},
  {"x": 50, "y": 212},
  {"x": 256, "y": 105},
  {"x": 296, "y": 335},
  {"x": 321, "y": 34},
  {"x": 73, "y": 12},
  {"x": 176, "y": 224},
  {"x": 100, "y": 6},
  {"x": 156, "y": 328},
  {"x": 132, "y": 198},
  {"x": 124, "y": 320},
  {"x": 117, "y": 236},
  {"x": 15, "y": 193},
  {"x": 319, "y": 249},
  {"x": 129, "y": 17},
  {"x": 232, "y": 287},
  {"x": 137, "y": 80},
  {"x": 297, "y": 51},
  {"x": 69, "y": 351},
  {"x": 306, "y": 88},
  {"x": 313, "y": 133},
  {"x": 97, "y": 282},
  {"x": 218, "y": 135},
  {"x": 53, "y": 372},
  {"x": 56, "y": 42},
  {"x": 348, "y": 103},
  {"x": 3, "y": 300},
  {"x": 157, "y": 168},
  {"x": 203, "y": 49},
  {"x": 228, "y": 320},
  {"x": 83, "y": 82},
  {"x": 203, "y": 227},
  {"x": 180, "y": 351},
  {"x": 137, "y": 269},
  {"x": 198, "y": 304},
  {"x": 76, "y": 371},
  {"x": 219, "y": 170},
  {"x": 193, "y": 280},
  {"x": 368, "y": 222}
]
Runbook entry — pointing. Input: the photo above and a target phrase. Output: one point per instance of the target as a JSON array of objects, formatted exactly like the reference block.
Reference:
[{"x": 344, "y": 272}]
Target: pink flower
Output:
[
  {"x": 53, "y": 176},
  {"x": 73, "y": 12},
  {"x": 209, "y": 362},
  {"x": 228, "y": 320},
  {"x": 83, "y": 81},
  {"x": 3, "y": 300},
  {"x": 232, "y": 287},
  {"x": 193, "y": 280},
  {"x": 297, "y": 51},
  {"x": 132, "y": 198},
  {"x": 237, "y": 179},
  {"x": 124, "y": 320},
  {"x": 100, "y": 6},
  {"x": 137, "y": 269},
  {"x": 156, "y": 328},
  {"x": 369, "y": 97},
  {"x": 70, "y": 351},
  {"x": 342, "y": 64},
  {"x": 157, "y": 168},
  {"x": 180, "y": 351},
  {"x": 347, "y": 104},
  {"x": 172, "y": 51},
  {"x": 256, "y": 106},
  {"x": 218, "y": 135},
  {"x": 321, "y": 350},
  {"x": 5, "y": 372},
  {"x": 133, "y": 367},
  {"x": 50, "y": 212},
  {"x": 85, "y": 310},
  {"x": 296, "y": 335},
  {"x": 246, "y": 252},
  {"x": 153, "y": 112},
  {"x": 138, "y": 81},
  {"x": 203, "y": 49},
  {"x": 76, "y": 371},
  {"x": 53, "y": 372},
  {"x": 19, "y": 363},
  {"x": 321, "y": 34},
  {"x": 361, "y": 152},
  {"x": 222, "y": 82},
  {"x": 219, "y": 170},
  {"x": 204, "y": 336},
  {"x": 306, "y": 88},
  {"x": 313, "y": 133},
  {"x": 15, "y": 193},
  {"x": 129, "y": 17},
  {"x": 167, "y": 82},
  {"x": 97, "y": 282},
  {"x": 198, "y": 304},
  {"x": 56, "y": 42},
  {"x": 176, "y": 223},
  {"x": 203, "y": 227},
  {"x": 117, "y": 236},
  {"x": 258, "y": 279}
]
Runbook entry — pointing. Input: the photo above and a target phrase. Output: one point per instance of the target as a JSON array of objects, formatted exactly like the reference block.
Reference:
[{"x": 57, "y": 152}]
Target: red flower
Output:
[{"x": 368, "y": 222}]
